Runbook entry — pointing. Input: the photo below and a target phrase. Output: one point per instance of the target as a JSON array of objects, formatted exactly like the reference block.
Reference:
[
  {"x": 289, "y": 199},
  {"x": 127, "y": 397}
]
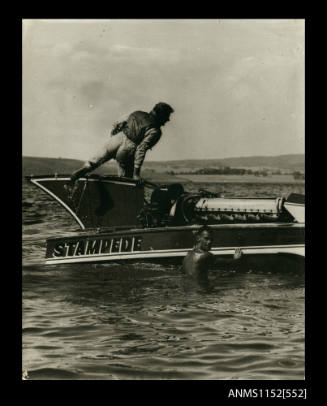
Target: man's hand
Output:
[
  {"x": 238, "y": 253},
  {"x": 139, "y": 181}
]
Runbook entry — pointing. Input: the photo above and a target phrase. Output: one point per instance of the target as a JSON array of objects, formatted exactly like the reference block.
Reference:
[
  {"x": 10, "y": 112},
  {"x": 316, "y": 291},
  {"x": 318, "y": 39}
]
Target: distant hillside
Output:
[
  {"x": 154, "y": 169},
  {"x": 291, "y": 162},
  {"x": 46, "y": 166},
  {"x": 50, "y": 166}
]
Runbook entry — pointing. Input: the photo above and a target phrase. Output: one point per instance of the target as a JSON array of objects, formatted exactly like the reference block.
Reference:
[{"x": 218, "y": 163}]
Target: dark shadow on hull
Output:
[{"x": 106, "y": 201}]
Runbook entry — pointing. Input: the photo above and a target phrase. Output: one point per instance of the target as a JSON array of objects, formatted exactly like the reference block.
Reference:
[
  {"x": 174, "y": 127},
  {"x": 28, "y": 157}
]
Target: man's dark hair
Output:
[
  {"x": 204, "y": 228},
  {"x": 162, "y": 109}
]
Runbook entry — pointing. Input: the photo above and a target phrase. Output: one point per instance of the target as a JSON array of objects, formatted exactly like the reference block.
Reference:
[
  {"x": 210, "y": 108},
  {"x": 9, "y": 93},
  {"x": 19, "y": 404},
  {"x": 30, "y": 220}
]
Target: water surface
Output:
[{"x": 145, "y": 321}]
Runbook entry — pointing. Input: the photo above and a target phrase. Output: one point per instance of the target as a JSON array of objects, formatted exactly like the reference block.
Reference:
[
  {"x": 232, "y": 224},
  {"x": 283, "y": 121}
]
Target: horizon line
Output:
[{"x": 174, "y": 160}]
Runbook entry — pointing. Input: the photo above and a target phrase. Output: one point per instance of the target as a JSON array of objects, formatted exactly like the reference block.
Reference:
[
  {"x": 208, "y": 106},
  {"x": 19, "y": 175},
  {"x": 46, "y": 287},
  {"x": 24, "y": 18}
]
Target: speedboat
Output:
[{"x": 122, "y": 219}]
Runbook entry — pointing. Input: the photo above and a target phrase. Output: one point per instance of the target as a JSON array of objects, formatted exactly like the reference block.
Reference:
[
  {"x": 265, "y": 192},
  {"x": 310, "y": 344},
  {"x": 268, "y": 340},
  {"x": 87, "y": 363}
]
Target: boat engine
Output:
[
  {"x": 232, "y": 210},
  {"x": 171, "y": 206}
]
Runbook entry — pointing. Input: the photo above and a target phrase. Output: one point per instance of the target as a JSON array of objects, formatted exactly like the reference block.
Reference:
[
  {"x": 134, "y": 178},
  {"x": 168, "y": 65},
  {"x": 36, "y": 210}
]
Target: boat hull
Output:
[
  {"x": 125, "y": 220},
  {"x": 173, "y": 243}
]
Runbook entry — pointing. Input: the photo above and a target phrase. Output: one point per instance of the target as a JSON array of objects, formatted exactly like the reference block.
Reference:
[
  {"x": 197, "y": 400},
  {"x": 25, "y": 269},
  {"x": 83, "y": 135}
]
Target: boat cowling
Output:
[
  {"x": 295, "y": 205},
  {"x": 95, "y": 201}
]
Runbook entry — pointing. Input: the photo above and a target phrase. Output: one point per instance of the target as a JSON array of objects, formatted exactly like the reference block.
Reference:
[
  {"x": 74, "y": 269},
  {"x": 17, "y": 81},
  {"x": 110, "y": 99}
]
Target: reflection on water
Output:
[{"x": 146, "y": 321}]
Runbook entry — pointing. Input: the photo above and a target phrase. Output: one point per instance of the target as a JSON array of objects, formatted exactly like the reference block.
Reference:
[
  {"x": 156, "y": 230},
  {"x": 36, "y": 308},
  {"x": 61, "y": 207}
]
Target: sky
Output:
[{"x": 237, "y": 86}]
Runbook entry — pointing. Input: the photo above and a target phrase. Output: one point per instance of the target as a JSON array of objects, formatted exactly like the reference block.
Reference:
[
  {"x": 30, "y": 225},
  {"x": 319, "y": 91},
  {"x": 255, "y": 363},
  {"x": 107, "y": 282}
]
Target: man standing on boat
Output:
[{"x": 129, "y": 141}]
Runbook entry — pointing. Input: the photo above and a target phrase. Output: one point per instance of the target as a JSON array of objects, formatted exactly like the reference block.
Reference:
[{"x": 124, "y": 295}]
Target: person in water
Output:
[
  {"x": 130, "y": 139},
  {"x": 198, "y": 261}
]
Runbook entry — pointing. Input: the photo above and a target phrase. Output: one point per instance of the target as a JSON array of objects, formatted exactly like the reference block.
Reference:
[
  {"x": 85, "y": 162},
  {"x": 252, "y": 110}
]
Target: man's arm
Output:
[
  {"x": 238, "y": 255},
  {"x": 152, "y": 136},
  {"x": 119, "y": 125}
]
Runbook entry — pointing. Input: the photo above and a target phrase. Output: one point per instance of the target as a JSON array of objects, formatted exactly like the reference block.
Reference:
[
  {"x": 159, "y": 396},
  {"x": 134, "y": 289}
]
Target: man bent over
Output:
[{"x": 130, "y": 139}]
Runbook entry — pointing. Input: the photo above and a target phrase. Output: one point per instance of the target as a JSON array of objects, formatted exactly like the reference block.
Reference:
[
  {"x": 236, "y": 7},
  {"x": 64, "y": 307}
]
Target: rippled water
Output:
[{"x": 145, "y": 321}]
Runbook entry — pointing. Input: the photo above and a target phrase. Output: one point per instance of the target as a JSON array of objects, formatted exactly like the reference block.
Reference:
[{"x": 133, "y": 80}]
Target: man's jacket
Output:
[{"x": 143, "y": 130}]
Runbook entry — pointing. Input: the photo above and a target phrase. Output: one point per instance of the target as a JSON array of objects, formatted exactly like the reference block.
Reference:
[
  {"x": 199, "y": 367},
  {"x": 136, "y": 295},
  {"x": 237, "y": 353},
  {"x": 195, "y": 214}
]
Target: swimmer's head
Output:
[{"x": 204, "y": 238}]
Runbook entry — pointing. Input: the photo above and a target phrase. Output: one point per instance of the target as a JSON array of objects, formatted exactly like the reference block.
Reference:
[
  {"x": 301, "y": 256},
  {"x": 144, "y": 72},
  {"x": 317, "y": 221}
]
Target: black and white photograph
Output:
[{"x": 163, "y": 200}]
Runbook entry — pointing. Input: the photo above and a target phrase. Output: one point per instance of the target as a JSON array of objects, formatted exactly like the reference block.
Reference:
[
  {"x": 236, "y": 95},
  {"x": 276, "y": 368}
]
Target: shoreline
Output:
[{"x": 277, "y": 179}]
